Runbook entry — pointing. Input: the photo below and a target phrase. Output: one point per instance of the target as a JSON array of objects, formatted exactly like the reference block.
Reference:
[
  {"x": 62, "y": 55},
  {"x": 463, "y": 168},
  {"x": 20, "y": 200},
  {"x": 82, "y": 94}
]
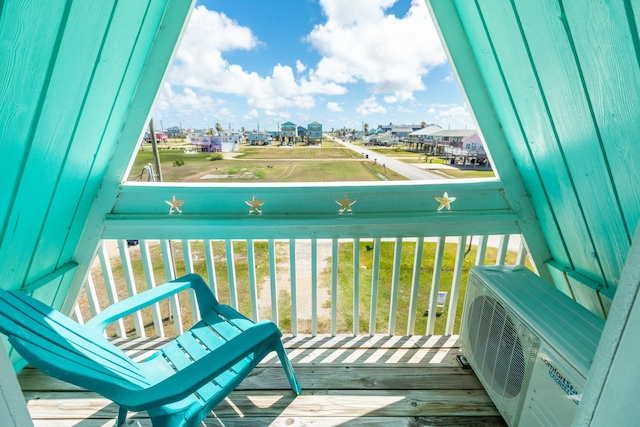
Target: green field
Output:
[{"x": 265, "y": 164}]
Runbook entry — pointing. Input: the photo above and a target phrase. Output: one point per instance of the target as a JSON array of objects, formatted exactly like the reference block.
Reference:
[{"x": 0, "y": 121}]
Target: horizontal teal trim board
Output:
[
  {"x": 60, "y": 272},
  {"x": 254, "y": 226},
  {"x": 592, "y": 284},
  {"x": 302, "y": 199}
]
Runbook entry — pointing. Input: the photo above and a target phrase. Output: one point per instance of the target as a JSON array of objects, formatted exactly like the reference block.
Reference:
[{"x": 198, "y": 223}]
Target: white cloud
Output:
[
  {"x": 453, "y": 116},
  {"x": 200, "y": 64},
  {"x": 360, "y": 43},
  {"x": 253, "y": 114},
  {"x": 370, "y": 106},
  {"x": 334, "y": 106}
]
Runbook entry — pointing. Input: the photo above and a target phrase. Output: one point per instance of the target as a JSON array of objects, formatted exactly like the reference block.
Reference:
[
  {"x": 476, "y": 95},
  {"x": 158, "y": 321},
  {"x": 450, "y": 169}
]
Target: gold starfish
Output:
[
  {"x": 175, "y": 204},
  {"x": 254, "y": 205},
  {"x": 345, "y": 204},
  {"x": 445, "y": 201}
]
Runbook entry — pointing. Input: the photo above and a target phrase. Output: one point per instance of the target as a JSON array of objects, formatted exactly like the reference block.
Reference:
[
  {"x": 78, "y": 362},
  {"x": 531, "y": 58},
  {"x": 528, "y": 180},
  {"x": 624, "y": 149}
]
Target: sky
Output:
[{"x": 255, "y": 64}]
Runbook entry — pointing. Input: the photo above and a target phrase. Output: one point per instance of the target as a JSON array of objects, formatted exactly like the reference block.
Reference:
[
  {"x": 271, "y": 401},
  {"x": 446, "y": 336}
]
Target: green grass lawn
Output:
[{"x": 266, "y": 164}]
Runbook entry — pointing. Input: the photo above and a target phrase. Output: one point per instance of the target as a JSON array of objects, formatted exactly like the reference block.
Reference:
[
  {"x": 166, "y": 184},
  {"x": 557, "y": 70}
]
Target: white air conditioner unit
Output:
[{"x": 530, "y": 345}]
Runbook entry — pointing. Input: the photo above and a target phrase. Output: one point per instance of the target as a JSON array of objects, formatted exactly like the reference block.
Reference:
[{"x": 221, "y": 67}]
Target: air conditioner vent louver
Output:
[
  {"x": 494, "y": 334},
  {"x": 516, "y": 332}
]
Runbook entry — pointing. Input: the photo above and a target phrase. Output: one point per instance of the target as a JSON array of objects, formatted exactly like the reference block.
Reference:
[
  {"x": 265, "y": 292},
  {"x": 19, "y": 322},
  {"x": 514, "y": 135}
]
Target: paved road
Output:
[{"x": 402, "y": 168}]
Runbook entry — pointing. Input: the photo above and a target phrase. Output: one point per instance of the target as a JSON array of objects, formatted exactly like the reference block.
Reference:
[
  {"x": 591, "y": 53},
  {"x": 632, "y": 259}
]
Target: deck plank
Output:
[{"x": 362, "y": 381}]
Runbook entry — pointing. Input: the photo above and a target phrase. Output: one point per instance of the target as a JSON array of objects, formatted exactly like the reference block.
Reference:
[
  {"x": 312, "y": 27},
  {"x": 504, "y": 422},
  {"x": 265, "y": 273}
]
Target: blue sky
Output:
[{"x": 343, "y": 63}]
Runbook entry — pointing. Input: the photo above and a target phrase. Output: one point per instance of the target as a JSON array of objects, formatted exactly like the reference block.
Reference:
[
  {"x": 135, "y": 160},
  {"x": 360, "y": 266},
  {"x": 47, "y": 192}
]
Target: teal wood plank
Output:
[
  {"x": 127, "y": 132},
  {"x": 179, "y": 352},
  {"x": 118, "y": 90},
  {"x": 24, "y": 83},
  {"x": 539, "y": 132},
  {"x": 506, "y": 122},
  {"x": 87, "y": 141},
  {"x": 612, "y": 81},
  {"x": 311, "y": 198},
  {"x": 197, "y": 227},
  {"x": 52, "y": 132},
  {"x": 220, "y": 212},
  {"x": 462, "y": 57},
  {"x": 580, "y": 138}
]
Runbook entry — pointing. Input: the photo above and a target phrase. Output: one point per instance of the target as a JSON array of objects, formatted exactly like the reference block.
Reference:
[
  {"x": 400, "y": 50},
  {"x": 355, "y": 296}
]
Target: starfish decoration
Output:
[
  {"x": 445, "y": 201},
  {"x": 345, "y": 204},
  {"x": 254, "y": 205},
  {"x": 175, "y": 204}
]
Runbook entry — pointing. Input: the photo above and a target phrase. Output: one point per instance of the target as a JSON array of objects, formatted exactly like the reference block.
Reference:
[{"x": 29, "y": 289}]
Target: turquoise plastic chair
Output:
[{"x": 178, "y": 385}]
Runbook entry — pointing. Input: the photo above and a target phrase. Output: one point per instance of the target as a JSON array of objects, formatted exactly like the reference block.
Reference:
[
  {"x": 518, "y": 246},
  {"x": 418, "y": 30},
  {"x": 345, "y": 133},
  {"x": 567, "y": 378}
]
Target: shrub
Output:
[
  {"x": 216, "y": 156},
  {"x": 178, "y": 162}
]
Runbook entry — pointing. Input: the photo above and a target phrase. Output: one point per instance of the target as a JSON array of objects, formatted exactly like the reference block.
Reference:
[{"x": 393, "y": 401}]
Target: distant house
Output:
[
  {"x": 469, "y": 151},
  {"x": 473, "y": 143},
  {"x": 423, "y": 140},
  {"x": 259, "y": 138},
  {"x": 302, "y": 133},
  {"x": 223, "y": 142},
  {"x": 289, "y": 132},
  {"x": 401, "y": 131},
  {"x": 160, "y": 136},
  {"x": 453, "y": 138},
  {"x": 314, "y": 133},
  {"x": 174, "y": 132}
]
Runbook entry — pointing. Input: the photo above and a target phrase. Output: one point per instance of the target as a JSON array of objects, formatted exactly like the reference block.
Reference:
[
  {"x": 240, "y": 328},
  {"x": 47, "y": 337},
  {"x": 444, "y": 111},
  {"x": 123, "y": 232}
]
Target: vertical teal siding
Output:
[
  {"x": 564, "y": 77},
  {"x": 68, "y": 74}
]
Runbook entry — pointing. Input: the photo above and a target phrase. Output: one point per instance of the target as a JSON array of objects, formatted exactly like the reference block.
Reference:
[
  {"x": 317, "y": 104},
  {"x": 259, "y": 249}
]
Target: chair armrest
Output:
[
  {"x": 257, "y": 338},
  {"x": 206, "y": 300}
]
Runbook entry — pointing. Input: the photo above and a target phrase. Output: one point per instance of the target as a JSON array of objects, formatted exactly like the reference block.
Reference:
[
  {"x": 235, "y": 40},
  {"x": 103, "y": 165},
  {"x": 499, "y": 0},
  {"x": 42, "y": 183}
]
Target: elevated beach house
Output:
[{"x": 554, "y": 87}]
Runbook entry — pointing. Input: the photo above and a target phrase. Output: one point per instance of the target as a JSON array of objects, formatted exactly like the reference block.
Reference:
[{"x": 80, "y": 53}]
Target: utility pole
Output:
[{"x": 154, "y": 147}]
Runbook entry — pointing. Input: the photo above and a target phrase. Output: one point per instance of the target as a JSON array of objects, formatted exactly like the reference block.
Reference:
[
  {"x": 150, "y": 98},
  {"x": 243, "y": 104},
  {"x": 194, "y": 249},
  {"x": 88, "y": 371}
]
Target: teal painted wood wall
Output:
[
  {"x": 564, "y": 80},
  {"x": 69, "y": 74}
]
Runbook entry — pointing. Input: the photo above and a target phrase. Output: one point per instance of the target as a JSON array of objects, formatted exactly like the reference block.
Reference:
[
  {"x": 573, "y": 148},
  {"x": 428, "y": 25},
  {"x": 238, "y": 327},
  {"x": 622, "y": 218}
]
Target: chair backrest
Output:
[{"x": 63, "y": 349}]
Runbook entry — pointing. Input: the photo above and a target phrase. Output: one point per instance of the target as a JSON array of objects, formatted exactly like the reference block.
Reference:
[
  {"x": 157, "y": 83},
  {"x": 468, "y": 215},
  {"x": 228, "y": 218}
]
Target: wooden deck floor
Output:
[{"x": 381, "y": 380}]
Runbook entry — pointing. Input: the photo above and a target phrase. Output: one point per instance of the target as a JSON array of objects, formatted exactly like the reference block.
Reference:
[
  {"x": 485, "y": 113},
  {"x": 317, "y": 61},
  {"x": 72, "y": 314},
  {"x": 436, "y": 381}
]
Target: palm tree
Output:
[
  {"x": 366, "y": 128},
  {"x": 219, "y": 127},
  {"x": 423, "y": 124}
]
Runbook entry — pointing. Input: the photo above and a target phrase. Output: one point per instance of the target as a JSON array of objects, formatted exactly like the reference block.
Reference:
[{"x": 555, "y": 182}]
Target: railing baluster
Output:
[
  {"x": 435, "y": 286},
  {"x": 253, "y": 287},
  {"x": 211, "y": 267},
  {"x": 78, "y": 314},
  {"x": 273, "y": 281},
  {"x": 129, "y": 280},
  {"x": 314, "y": 287},
  {"x": 147, "y": 267},
  {"x": 92, "y": 296},
  {"x": 415, "y": 286},
  {"x": 110, "y": 284},
  {"x": 455, "y": 286},
  {"x": 522, "y": 253},
  {"x": 334, "y": 287},
  {"x": 482, "y": 250},
  {"x": 231, "y": 273},
  {"x": 294, "y": 298},
  {"x": 395, "y": 285},
  {"x": 502, "y": 249},
  {"x": 170, "y": 273},
  {"x": 375, "y": 270},
  {"x": 356, "y": 287},
  {"x": 188, "y": 267}
]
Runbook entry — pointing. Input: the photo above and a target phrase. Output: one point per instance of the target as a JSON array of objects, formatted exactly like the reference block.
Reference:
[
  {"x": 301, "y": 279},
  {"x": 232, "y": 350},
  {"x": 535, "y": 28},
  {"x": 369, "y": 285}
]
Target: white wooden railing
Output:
[{"x": 358, "y": 286}]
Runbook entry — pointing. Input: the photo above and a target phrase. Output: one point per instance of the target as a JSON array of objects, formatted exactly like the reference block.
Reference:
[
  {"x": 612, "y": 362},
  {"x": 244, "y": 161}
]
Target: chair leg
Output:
[
  {"x": 122, "y": 417},
  {"x": 288, "y": 369}
]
